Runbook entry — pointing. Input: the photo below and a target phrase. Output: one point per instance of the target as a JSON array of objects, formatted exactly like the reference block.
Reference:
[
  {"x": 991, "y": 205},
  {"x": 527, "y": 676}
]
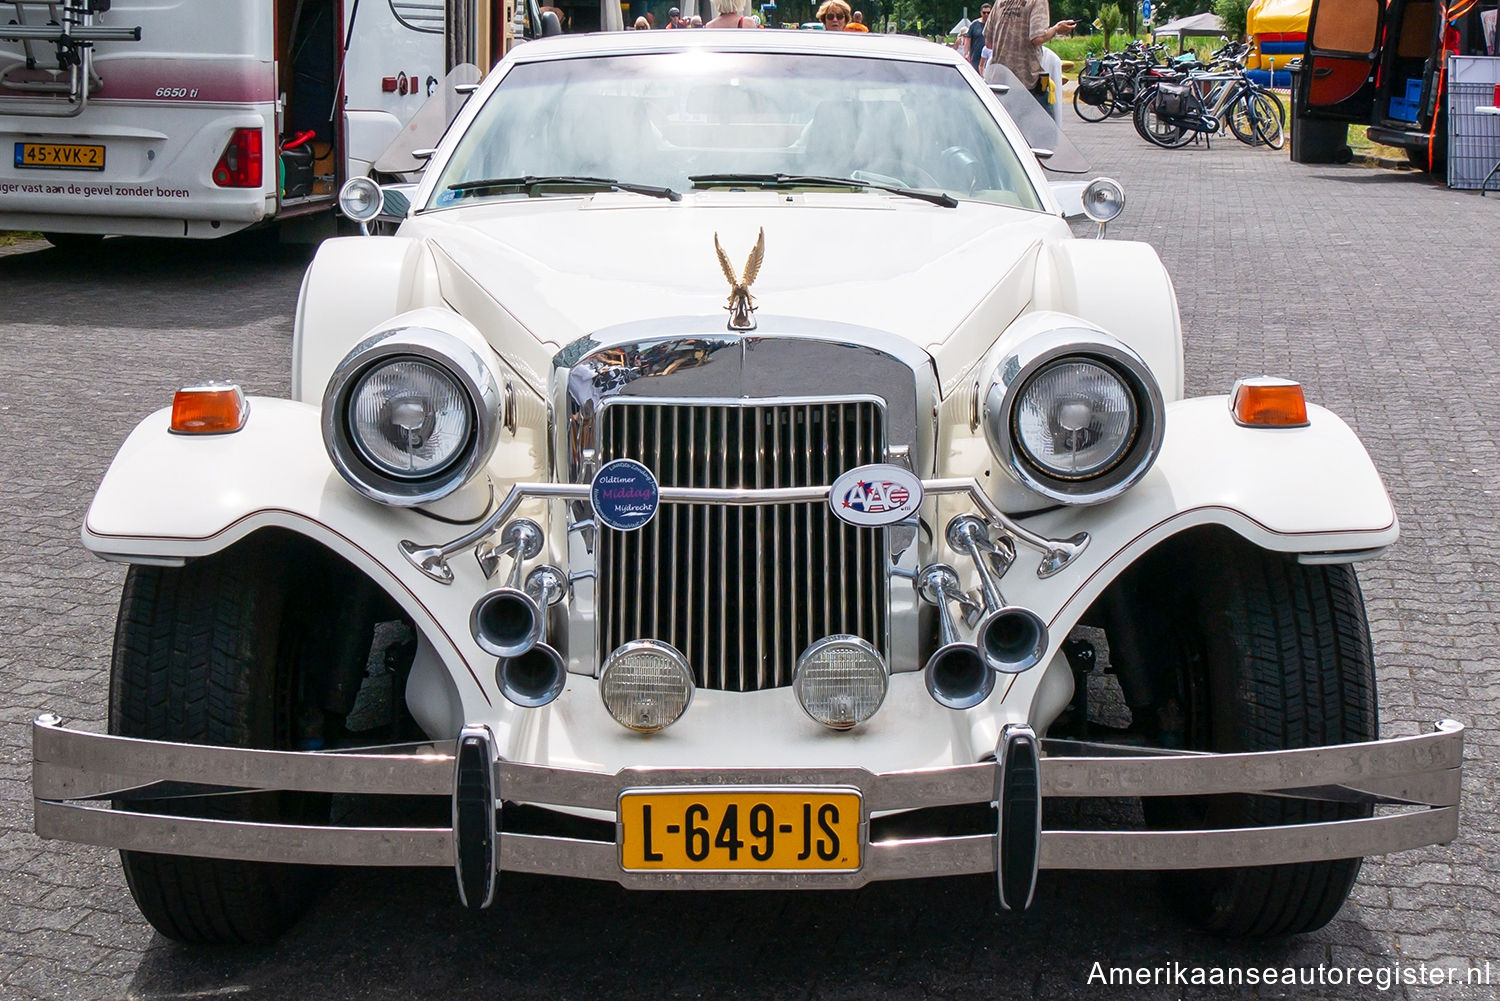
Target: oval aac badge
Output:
[
  {"x": 624, "y": 495},
  {"x": 878, "y": 494}
]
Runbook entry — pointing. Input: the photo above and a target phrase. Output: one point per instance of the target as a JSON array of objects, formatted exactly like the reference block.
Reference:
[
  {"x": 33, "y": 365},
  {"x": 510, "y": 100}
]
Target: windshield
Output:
[{"x": 666, "y": 118}]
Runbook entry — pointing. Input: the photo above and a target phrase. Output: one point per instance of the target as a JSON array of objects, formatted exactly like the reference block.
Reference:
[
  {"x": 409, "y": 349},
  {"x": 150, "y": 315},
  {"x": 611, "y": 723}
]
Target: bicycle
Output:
[{"x": 1173, "y": 113}]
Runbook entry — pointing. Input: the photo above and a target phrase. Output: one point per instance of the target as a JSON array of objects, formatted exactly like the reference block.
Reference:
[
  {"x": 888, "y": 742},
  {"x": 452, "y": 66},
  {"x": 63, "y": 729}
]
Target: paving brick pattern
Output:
[{"x": 1375, "y": 288}]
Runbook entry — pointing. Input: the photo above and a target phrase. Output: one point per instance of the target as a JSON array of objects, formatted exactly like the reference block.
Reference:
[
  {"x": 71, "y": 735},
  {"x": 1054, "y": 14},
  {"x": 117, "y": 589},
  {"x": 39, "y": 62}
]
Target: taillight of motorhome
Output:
[{"x": 240, "y": 166}]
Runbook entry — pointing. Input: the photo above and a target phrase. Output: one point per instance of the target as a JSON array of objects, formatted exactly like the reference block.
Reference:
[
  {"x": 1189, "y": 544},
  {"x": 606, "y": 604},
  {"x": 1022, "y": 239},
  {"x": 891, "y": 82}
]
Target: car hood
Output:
[{"x": 560, "y": 268}]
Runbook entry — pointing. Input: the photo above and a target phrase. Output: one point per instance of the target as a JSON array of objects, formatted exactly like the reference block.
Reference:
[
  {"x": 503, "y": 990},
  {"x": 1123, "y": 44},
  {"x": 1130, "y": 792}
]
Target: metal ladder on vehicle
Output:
[{"x": 66, "y": 72}]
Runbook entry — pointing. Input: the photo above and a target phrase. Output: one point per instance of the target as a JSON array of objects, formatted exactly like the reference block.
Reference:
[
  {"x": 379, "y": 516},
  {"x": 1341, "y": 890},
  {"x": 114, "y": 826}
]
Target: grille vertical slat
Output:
[{"x": 741, "y": 591}]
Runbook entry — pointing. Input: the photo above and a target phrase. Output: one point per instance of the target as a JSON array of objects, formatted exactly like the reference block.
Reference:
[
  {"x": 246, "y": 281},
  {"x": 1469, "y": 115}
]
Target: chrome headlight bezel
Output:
[
  {"x": 476, "y": 378},
  {"x": 1014, "y": 373}
]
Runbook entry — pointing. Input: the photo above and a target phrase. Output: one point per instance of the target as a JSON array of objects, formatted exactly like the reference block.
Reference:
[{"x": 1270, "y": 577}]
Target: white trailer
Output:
[{"x": 199, "y": 118}]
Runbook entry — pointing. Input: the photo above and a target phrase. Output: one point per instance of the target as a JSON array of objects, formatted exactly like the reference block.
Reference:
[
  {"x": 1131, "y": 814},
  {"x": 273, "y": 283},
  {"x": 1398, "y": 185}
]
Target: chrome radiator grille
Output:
[{"x": 741, "y": 591}]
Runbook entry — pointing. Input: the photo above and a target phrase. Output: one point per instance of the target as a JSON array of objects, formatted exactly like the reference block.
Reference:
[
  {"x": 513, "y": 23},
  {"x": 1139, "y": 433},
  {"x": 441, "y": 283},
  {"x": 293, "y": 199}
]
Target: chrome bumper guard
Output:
[{"x": 73, "y": 771}]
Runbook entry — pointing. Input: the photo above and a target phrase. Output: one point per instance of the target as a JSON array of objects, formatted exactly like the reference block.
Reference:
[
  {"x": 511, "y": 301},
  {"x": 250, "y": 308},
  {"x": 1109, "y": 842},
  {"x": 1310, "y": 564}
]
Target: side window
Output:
[
  {"x": 419, "y": 15},
  {"x": 1347, "y": 25},
  {"x": 1416, "y": 32}
]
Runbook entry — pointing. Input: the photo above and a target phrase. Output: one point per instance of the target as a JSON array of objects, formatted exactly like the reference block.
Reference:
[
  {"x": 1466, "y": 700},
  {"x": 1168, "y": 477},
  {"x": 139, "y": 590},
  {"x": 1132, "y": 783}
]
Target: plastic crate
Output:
[
  {"x": 1473, "y": 139},
  {"x": 1403, "y": 110}
]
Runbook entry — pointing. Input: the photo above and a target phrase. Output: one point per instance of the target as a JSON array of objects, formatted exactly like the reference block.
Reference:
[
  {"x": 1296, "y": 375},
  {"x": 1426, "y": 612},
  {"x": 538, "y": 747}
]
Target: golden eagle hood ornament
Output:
[{"x": 741, "y": 304}]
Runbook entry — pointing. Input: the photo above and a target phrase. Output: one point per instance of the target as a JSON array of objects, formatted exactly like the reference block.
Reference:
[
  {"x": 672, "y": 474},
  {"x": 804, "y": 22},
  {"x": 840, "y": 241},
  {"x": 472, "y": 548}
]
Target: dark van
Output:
[{"x": 1383, "y": 65}]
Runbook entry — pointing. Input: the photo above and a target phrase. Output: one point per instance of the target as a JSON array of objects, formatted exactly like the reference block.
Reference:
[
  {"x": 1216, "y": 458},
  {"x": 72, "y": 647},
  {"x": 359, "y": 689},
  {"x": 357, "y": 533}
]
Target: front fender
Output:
[
  {"x": 1311, "y": 490},
  {"x": 168, "y": 497}
]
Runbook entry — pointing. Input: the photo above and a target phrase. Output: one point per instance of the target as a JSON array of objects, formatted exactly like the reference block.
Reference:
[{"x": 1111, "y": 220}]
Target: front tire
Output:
[
  {"x": 202, "y": 655},
  {"x": 1283, "y": 651}
]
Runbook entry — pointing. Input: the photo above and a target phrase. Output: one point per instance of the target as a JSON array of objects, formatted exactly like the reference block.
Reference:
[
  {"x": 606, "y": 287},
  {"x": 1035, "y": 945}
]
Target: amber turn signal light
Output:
[
  {"x": 215, "y": 408},
  {"x": 1268, "y": 402}
]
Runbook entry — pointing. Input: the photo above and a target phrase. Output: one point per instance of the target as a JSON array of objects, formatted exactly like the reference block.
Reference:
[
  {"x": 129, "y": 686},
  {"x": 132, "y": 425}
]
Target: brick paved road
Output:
[{"x": 1375, "y": 288}]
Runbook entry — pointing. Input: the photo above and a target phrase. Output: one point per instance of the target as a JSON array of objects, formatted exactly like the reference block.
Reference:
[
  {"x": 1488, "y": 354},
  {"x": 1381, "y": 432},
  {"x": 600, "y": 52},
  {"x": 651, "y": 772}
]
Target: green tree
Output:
[
  {"x": 1233, "y": 14},
  {"x": 1109, "y": 21}
]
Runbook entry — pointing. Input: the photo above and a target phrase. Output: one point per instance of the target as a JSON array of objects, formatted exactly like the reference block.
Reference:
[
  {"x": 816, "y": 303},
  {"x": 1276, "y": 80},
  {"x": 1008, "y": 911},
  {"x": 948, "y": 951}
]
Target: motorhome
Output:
[{"x": 200, "y": 118}]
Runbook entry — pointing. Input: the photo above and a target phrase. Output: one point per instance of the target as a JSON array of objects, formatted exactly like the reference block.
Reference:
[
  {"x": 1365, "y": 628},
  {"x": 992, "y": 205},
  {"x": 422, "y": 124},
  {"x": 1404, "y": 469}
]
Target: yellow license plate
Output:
[
  {"x": 727, "y": 830},
  {"x": 60, "y": 156}
]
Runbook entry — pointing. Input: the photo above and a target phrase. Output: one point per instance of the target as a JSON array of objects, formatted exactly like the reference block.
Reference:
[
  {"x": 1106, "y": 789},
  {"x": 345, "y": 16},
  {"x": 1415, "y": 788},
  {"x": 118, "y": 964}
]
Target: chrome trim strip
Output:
[
  {"x": 1423, "y": 767},
  {"x": 1110, "y": 850},
  {"x": 1248, "y": 846},
  {"x": 73, "y": 764},
  {"x": 196, "y": 836},
  {"x": 432, "y": 560}
]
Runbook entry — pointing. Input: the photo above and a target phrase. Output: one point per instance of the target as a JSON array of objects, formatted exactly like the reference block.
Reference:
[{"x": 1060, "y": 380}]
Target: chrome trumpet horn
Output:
[
  {"x": 1012, "y": 639},
  {"x": 507, "y": 621},
  {"x": 956, "y": 674},
  {"x": 536, "y": 675}
]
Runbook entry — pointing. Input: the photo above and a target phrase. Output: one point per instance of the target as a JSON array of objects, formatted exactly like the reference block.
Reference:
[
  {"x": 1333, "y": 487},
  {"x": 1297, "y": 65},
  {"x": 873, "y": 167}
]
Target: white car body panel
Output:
[
  {"x": 182, "y": 496},
  {"x": 554, "y": 385}
]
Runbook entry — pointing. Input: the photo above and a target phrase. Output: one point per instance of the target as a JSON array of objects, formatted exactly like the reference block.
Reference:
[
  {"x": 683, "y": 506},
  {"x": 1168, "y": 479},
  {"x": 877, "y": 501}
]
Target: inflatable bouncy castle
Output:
[{"x": 1277, "y": 30}]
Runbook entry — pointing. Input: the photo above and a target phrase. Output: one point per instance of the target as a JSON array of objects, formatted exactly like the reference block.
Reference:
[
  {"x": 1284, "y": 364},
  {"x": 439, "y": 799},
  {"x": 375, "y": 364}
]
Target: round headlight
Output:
[
  {"x": 646, "y": 685},
  {"x": 409, "y": 418},
  {"x": 840, "y": 681},
  {"x": 1103, "y": 199},
  {"x": 1076, "y": 418},
  {"x": 411, "y": 414},
  {"x": 1075, "y": 415},
  {"x": 360, "y": 199}
]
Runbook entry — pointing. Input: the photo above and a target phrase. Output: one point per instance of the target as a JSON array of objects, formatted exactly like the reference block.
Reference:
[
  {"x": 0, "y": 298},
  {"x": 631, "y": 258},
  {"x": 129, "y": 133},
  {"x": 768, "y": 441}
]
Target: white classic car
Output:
[{"x": 733, "y": 474}]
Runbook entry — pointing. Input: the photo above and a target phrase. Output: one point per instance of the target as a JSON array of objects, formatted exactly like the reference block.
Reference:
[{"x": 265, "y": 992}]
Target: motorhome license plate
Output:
[
  {"x": 60, "y": 156},
  {"x": 738, "y": 829}
]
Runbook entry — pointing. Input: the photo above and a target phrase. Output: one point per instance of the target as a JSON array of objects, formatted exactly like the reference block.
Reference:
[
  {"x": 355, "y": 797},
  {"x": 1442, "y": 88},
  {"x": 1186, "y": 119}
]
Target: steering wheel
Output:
[{"x": 898, "y": 172}]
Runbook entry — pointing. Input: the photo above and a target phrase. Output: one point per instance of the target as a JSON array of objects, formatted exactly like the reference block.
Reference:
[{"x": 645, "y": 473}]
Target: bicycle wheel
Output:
[
  {"x": 1091, "y": 112},
  {"x": 1153, "y": 128},
  {"x": 1256, "y": 120},
  {"x": 1271, "y": 116},
  {"x": 1240, "y": 117},
  {"x": 1123, "y": 91}
]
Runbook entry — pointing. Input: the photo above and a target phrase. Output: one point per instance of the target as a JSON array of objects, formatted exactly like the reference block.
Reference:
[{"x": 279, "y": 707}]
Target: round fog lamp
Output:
[
  {"x": 1103, "y": 199},
  {"x": 646, "y": 685},
  {"x": 360, "y": 199},
  {"x": 840, "y": 681}
]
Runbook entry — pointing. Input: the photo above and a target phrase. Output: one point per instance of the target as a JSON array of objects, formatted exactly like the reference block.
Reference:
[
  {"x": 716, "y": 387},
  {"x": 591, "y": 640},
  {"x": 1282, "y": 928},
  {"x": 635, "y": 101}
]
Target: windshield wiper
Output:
[
  {"x": 530, "y": 182},
  {"x": 947, "y": 201}
]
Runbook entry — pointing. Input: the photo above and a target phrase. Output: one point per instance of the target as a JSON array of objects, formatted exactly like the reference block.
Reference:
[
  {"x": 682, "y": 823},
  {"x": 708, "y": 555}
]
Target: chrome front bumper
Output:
[{"x": 1417, "y": 779}]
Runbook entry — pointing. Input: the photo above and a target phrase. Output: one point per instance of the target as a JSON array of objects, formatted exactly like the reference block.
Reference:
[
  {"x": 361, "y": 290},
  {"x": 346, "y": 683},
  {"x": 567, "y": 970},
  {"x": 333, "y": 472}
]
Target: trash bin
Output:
[{"x": 1315, "y": 140}]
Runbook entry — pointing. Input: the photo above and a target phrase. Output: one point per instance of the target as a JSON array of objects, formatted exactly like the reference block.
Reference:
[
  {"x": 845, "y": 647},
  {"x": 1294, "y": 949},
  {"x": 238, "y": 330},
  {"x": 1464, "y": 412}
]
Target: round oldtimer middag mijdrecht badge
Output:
[{"x": 625, "y": 495}]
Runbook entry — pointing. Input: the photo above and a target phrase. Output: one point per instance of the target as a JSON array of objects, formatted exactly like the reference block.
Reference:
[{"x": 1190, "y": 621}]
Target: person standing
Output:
[
  {"x": 856, "y": 22},
  {"x": 1015, "y": 31},
  {"x": 974, "y": 38},
  {"x": 728, "y": 16},
  {"x": 834, "y": 15},
  {"x": 674, "y": 19}
]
